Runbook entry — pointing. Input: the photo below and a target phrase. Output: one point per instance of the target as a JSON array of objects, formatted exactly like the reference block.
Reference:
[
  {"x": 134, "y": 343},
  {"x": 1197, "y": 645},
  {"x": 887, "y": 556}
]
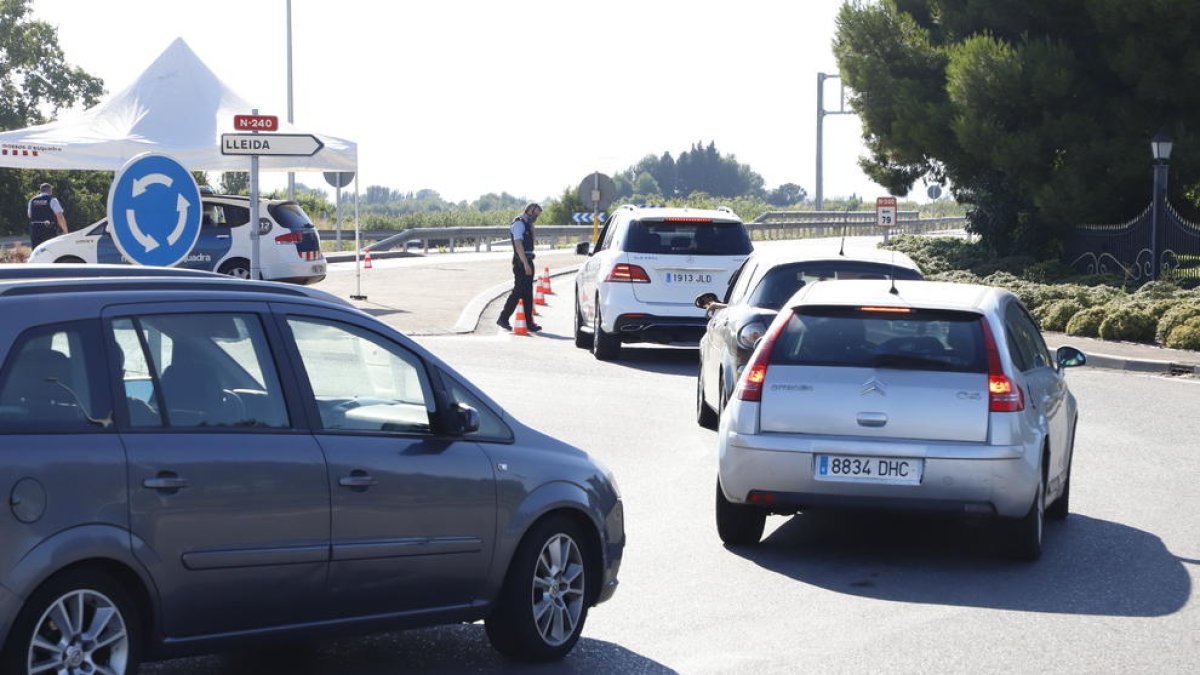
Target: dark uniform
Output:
[
  {"x": 522, "y": 282},
  {"x": 43, "y": 223}
]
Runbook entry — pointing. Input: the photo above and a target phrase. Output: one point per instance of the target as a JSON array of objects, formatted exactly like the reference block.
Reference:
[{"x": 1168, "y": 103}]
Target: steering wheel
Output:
[{"x": 231, "y": 400}]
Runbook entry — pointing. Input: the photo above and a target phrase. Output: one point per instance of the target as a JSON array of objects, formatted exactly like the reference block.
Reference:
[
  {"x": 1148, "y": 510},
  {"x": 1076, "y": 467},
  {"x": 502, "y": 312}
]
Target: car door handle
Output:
[
  {"x": 166, "y": 481},
  {"x": 357, "y": 480}
]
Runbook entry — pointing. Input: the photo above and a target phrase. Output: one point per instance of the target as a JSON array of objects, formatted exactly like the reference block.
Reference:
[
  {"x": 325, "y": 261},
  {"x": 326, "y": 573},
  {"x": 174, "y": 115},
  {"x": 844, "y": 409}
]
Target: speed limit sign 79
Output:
[{"x": 885, "y": 211}]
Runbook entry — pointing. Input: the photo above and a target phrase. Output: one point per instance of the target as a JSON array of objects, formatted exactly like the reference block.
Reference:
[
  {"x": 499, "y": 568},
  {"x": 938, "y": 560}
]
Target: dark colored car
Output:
[
  {"x": 756, "y": 292},
  {"x": 193, "y": 463}
]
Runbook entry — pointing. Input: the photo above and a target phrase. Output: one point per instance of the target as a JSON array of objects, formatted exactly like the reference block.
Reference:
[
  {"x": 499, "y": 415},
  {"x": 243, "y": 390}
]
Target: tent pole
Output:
[{"x": 357, "y": 247}]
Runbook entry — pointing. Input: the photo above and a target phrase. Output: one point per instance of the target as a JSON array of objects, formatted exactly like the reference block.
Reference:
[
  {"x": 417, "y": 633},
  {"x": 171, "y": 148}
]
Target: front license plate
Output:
[{"x": 900, "y": 470}]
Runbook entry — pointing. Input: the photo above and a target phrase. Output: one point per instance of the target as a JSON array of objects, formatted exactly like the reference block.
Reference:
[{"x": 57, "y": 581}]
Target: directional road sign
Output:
[
  {"x": 293, "y": 145},
  {"x": 154, "y": 210},
  {"x": 586, "y": 216}
]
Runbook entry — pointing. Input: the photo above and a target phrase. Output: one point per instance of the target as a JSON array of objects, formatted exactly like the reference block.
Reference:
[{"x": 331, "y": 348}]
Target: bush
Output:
[
  {"x": 1173, "y": 317},
  {"x": 1087, "y": 323},
  {"x": 1055, "y": 315},
  {"x": 1157, "y": 290},
  {"x": 1186, "y": 335},
  {"x": 1127, "y": 323}
]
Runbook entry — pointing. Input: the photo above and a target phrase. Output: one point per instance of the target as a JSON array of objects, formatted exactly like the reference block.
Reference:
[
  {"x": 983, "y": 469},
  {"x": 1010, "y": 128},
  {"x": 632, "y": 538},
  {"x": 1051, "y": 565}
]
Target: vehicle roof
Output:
[
  {"x": 220, "y": 285},
  {"x": 919, "y": 294},
  {"x": 60, "y": 271},
  {"x": 828, "y": 249},
  {"x": 643, "y": 212}
]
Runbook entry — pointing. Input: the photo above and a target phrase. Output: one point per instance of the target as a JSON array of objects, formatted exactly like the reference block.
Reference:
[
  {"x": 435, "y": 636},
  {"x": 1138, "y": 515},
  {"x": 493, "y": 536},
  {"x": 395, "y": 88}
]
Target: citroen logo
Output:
[{"x": 874, "y": 386}]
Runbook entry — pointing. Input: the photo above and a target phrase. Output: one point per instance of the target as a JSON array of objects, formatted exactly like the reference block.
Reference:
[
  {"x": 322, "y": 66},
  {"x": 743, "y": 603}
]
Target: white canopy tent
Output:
[{"x": 177, "y": 107}]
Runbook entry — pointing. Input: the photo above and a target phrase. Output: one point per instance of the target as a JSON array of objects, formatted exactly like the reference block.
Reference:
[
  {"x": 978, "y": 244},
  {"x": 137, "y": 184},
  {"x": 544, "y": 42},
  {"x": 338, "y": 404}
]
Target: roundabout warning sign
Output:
[{"x": 154, "y": 210}]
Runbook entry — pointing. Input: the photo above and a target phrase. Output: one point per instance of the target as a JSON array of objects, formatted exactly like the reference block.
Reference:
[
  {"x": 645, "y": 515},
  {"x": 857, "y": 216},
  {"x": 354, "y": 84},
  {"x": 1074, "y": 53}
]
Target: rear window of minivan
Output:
[
  {"x": 290, "y": 215},
  {"x": 687, "y": 236},
  {"x": 908, "y": 339}
]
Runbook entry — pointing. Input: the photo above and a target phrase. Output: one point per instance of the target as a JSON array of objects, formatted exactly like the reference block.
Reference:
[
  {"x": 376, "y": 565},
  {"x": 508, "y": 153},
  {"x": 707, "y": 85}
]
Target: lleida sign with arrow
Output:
[
  {"x": 154, "y": 210},
  {"x": 291, "y": 145}
]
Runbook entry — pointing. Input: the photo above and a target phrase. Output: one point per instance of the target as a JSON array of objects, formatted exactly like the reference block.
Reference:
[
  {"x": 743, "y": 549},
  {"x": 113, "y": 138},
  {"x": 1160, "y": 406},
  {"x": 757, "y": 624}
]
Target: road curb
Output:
[{"x": 468, "y": 321}]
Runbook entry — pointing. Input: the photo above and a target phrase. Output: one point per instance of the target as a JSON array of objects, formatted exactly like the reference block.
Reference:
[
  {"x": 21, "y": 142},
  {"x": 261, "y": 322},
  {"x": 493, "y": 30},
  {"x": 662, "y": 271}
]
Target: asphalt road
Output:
[{"x": 1113, "y": 592}]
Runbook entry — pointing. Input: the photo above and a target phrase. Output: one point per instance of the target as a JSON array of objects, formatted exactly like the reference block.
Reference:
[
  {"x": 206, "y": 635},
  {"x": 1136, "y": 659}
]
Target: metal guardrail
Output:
[
  {"x": 484, "y": 238},
  {"x": 770, "y": 225}
]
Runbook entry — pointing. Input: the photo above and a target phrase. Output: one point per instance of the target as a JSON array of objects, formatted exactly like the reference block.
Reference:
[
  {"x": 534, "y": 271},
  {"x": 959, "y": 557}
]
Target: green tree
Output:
[
  {"x": 788, "y": 194},
  {"x": 1039, "y": 114},
  {"x": 235, "y": 183},
  {"x": 36, "y": 83},
  {"x": 646, "y": 185}
]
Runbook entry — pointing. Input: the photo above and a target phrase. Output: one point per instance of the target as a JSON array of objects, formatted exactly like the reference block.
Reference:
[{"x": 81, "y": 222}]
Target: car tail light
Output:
[
  {"x": 1003, "y": 394},
  {"x": 749, "y": 387},
  {"x": 289, "y": 238},
  {"x": 628, "y": 273}
]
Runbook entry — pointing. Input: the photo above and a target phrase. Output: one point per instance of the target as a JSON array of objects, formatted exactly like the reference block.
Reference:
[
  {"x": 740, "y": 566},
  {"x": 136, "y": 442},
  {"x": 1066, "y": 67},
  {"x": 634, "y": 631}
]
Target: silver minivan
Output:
[
  {"x": 196, "y": 462},
  {"x": 911, "y": 395}
]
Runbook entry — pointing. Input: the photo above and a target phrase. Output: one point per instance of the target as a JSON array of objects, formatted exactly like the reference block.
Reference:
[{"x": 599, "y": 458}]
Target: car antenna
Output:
[{"x": 892, "y": 273}]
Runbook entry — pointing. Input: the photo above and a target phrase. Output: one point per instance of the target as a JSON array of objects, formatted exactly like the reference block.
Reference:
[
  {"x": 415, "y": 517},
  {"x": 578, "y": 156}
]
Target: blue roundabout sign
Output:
[{"x": 154, "y": 210}]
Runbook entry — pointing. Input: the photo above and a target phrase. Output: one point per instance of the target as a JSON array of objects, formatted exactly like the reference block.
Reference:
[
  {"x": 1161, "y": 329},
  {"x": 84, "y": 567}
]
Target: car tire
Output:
[
  {"x": 69, "y": 260},
  {"x": 1026, "y": 535},
  {"x": 237, "y": 267},
  {"x": 705, "y": 415},
  {"x": 605, "y": 346},
  {"x": 543, "y": 605},
  {"x": 84, "y": 596},
  {"x": 582, "y": 339},
  {"x": 738, "y": 524},
  {"x": 1062, "y": 506}
]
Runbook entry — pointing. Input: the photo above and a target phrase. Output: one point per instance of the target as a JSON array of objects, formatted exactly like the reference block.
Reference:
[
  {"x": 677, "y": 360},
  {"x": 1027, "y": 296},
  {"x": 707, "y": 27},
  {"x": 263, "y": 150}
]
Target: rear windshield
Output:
[
  {"x": 781, "y": 282},
  {"x": 851, "y": 336},
  {"x": 290, "y": 215},
  {"x": 687, "y": 237}
]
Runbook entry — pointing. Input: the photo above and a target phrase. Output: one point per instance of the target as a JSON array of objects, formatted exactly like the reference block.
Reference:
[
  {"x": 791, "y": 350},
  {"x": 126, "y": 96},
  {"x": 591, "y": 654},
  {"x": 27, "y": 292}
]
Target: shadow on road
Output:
[
  {"x": 680, "y": 361},
  {"x": 447, "y": 650},
  {"x": 1088, "y": 566}
]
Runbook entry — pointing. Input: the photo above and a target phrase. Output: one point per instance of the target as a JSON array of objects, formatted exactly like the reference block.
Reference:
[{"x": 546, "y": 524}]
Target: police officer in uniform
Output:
[
  {"x": 46, "y": 219},
  {"x": 522, "y": 265}
]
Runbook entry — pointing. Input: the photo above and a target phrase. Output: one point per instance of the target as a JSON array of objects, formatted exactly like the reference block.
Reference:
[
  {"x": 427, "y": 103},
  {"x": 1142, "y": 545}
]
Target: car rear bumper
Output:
[
  {"x": 971, "y": 479},
  {"x": 661, "y": 329},
  {"x": 297, "y": 271}
]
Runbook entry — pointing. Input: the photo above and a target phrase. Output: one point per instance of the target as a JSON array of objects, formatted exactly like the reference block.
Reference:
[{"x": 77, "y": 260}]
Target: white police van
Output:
[{"x": 289, "y": 247}]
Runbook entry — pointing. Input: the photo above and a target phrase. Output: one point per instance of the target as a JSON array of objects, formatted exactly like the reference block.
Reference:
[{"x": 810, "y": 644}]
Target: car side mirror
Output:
[
  {"x": 583, "y": 248},
  {"x": 463, "y": 420},
  {"x": 1069, "y": 357},
  {"x": 704, "y": 299}
]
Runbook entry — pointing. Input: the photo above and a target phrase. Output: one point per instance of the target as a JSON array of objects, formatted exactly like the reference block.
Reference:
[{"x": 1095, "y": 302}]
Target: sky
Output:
[{"x": 468, "y": 97}]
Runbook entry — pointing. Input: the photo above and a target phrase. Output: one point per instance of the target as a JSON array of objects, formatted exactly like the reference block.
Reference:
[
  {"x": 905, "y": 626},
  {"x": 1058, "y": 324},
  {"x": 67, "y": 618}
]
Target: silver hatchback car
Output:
[
  {"x": 912, "y": 395},
  {"x": 196, "y": 462}
]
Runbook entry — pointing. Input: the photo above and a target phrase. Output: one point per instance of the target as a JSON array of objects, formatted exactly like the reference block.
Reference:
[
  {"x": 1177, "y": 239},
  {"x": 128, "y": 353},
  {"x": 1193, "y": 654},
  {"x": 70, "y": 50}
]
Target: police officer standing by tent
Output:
[
  {"x": 522, "y": 266},
  {"x": 44, "y": 213}
]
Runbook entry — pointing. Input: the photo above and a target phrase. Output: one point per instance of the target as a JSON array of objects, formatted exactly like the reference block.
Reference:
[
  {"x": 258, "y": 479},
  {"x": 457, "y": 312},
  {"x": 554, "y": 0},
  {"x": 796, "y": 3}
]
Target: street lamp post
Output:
[
  {"x": 1160, "y": 149},
  {"x": 819, "y": 196}
]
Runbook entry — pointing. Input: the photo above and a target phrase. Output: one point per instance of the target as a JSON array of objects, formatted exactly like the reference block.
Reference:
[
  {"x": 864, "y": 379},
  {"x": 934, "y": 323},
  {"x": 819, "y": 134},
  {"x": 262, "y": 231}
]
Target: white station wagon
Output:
[{"x": 912, "y": 395}]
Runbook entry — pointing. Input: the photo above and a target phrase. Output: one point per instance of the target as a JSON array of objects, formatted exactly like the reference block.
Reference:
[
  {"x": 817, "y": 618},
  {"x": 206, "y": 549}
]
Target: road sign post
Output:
[
  {"x": 885, "y": 215},
  {"x": 254, "y": 145}
]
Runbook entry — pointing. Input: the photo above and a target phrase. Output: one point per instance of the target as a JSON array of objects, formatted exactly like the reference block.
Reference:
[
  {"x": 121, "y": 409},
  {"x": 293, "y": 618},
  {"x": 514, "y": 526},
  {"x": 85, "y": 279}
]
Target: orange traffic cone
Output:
[
  {"x": 539, "y": 296},
  {"x": 546, "y": 281},
  {"x": 367, "y": 260},
  {"x": 519, "y": 325}
]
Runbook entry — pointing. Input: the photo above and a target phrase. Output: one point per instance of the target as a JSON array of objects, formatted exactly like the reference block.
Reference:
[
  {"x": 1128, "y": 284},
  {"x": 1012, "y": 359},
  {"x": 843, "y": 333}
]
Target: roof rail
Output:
[{"x": 92, "y": 284}]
